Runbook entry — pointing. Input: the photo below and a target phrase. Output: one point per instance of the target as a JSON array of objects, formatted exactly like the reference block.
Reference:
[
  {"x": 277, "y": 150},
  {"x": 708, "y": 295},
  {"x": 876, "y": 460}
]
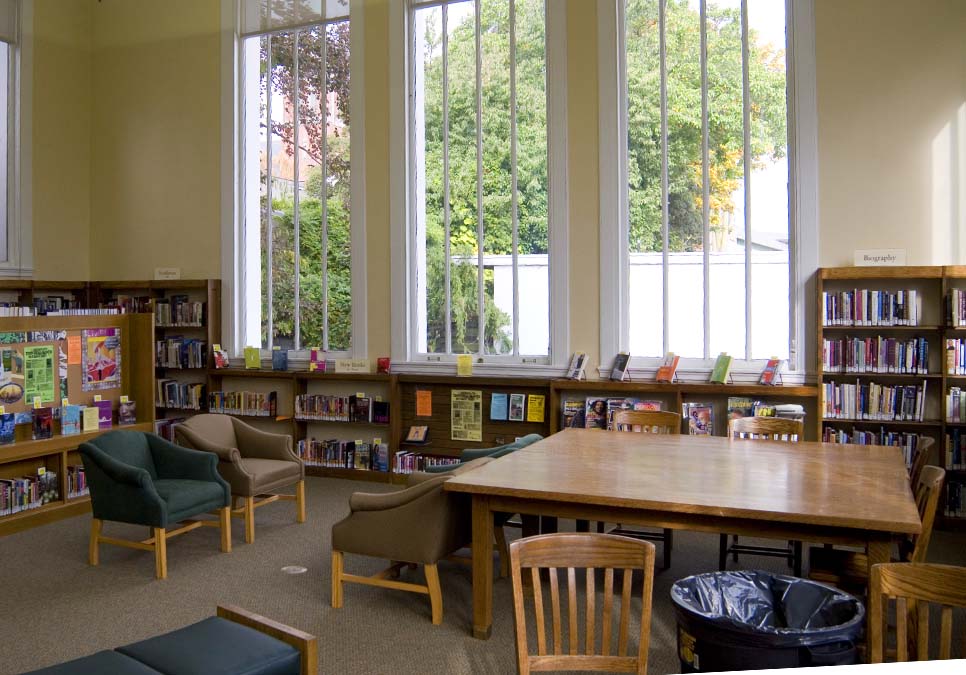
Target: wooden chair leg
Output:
[
  {"x": 224, "y": 517},
  {"x": 249, "y": 520},
  {"x": 300, "y": 501},
  {"x": 500, "y": 535},
  {"x": 160, "y": 553},
  {"x": 92, "y": 551},
  {"x": 337, "y": 563},
  {"x": 722, "y": 551},
  {"x": 435, "y": 594}
]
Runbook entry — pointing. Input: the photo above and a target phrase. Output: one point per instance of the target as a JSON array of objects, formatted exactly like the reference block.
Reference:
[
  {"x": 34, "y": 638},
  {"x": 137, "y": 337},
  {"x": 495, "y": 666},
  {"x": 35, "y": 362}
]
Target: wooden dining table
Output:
[{"x": 819, "y": 492}]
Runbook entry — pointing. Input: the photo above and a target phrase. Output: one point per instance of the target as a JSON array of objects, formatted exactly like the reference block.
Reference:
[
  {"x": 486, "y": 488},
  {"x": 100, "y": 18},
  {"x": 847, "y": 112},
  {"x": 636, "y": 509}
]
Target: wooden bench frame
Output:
[{"x": 307, "y": 644}]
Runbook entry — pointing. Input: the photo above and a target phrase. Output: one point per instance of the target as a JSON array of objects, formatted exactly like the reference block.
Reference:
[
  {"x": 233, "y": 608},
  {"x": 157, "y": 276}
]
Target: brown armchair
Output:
[
  {"x": 254, "y": 463},
  {"x": 418, "y": 525}
]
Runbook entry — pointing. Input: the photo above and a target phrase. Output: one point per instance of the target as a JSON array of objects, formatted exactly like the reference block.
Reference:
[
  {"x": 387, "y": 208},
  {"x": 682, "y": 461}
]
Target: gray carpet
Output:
[{"x": 55, "y": 607}]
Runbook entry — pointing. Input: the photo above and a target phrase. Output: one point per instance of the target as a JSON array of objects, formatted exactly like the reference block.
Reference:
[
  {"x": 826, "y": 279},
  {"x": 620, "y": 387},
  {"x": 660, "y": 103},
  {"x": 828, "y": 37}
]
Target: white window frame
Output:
[
  {"x": 405, "y": 356},
  {"x": 803, "y": 203},
  {"x": 19, "y": 262},
  {"x": 236, "y": 281}
]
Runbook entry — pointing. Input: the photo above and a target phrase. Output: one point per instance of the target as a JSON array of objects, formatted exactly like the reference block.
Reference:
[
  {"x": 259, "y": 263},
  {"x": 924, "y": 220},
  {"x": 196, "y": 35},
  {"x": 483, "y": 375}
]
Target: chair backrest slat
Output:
[
  {"x": 928, "y": 492},
  {"x": 589, "y": 552},
  {"x": 919, "y": 459},
  {"x": 608, "y": 606},
  {"x": 589, "y": 648},
  {"x": 766, "y": 429},
  {"x": 538, "y": 611},
  {"x": 915, "y": 586},
  {"x": 647, "y": 421},
  {"x": 625, "y": 613}
]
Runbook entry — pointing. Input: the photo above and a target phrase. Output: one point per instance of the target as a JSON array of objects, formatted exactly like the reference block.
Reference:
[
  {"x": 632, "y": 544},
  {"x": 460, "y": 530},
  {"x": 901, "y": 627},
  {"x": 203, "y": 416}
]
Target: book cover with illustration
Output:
[
  {"x": 722, "y": 369},
  {"x": 43, "y": 422},
  {"x": 499, "y": 406},
  {"x": 104, "y": 414},
  {"x": 668, "y": 368},
  {"x": 700, "y": 418},
  {"x": 740, "y": 406},
  {"x": 578, "y": 363},
  {"x": 70, "y": 420},
  {"x": 621, "y": 361},
  {"x": 279, "y": 359},
  {"x": 595, "y": 413},
  {"x": 127, "y": 413},
  {"x": 8, "y": 425},
  {"x": 573, "y": 415},
  {"x": 772, "y": 371}
]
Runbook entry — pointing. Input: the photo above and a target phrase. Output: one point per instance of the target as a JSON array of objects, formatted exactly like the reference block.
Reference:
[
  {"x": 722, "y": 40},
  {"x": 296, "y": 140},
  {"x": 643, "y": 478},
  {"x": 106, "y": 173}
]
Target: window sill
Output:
[
  {"x": 701, "y": 375},
  {"x": 535, "y": 370}
]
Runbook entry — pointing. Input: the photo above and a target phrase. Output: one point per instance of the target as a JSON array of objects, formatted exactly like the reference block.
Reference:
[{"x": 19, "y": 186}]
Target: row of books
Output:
[
  {"x": 955, "y": 499},
  {"x": 15, "y": 310},
  {"x": 28, "y": 492},
  {"x": 83, "y": 312},
  {"x": 956, "y": 405},
  {"x": 404, "y": 462},
  {"x": 179, "y": 311},
  {"x": 742, "y": 406},
  {"x": 900, "y": 439},
  {"x": 165, "y": 427},
  {"x": 862, "y": 307},
  {"x": 956, "y": 307},
  {"x": 333, "y": 453},
  {"x": 54, "y": 304},
  {"x": 876, "y": 355},
  {"x": 955, "y": 356},
  {"x": 183, "y": 395},
  {"x": 73, "y": 419},
  {"x": 873, "y": 401},
  {"x": 255, "y": 403},
  {"x": 956, "y": 450},
  {"x": 180, "y": 352},
  {"x": 131, "y": 304},
  {"x": 76, "y": 481},
  {"x": 335, "y": 408}
]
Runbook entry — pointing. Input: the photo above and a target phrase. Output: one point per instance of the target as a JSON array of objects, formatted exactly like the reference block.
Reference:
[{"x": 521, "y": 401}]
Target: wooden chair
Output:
[
  {"x": 589, "y": 552},
  {"x": 914, "y": 586},
  {"x": 841, "y": 567},
  {"x": 920, "y": 459},
  {"x": 763, "y": 429},
  {"x": 648, "y": 422}
]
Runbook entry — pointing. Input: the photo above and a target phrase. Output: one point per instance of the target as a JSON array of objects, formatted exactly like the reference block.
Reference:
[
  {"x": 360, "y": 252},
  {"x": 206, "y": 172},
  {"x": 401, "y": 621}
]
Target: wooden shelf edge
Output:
[
  {"x": 351, "y": 474},
  {"x": 897, "y": 273},
  {"x": 44, "y": 514},
  {"x": 57, "y": 444}
]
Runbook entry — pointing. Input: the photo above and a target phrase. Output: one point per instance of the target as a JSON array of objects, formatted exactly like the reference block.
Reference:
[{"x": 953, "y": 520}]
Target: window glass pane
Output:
[
  {"x": 726, "y": 171},
  {"x": 5, "y": 99},
  {"x": 532, "y": 190},
  {"x": 685, "y": 228},
  {"x": 643, "y": 72},
  {"x": 769, "y": 180}
]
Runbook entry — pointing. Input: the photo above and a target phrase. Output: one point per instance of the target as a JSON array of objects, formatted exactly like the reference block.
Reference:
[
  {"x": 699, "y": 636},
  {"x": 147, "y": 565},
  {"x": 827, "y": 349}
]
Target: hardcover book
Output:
[
  {"x": 772, "y": 369},
  {"x": 70, "y": 420},
  {"x": 7, "y": 428},
  {"x": 104, "y": 414},
  {"x": 577, "y": 364},
  {"x": 43, "y": 422},
  {"x": 380, "y": 412},
  {"x": 619, "y": 370},
  {"x": 221, "y": 357},
  {"x": 316, "y": 361},
  {"x": 382, "y": 364},
  {"x": 722, "y": 368},
  {"x": 89, "y": 418},
  {"x": 279, "y": 359},
  {"x": 668, "y": 368},
  {"x": 499, "y": 406},
  {"x": 127, "y": 413},
  {"x": 252, "y": 358}
]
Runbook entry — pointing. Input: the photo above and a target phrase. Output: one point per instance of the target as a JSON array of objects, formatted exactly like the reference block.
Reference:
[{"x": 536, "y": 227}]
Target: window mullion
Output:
[
  {"x": 295, "y": 201},
  {"x": 665, "y": 196},
  {"x": 447, "y": 253},
  {"x": 324, "y": 105},
  {"x": 481, "y": 297},
  {"x": 268, "y": 197},
  {"x": 746, "y": 152},
  {"x": 705, "y": 179},
  {"x": 514, "y": 204}
]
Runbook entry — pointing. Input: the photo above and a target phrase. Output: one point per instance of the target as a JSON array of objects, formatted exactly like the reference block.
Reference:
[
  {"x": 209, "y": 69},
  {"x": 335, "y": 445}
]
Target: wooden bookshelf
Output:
[
  {"x": 934, "y": 284},
  {"x": 25, "y": 455}
]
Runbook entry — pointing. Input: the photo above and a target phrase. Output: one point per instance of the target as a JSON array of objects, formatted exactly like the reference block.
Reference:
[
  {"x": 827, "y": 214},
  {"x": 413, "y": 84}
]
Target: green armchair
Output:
[
  {"x": 469, "y": 454},
  {"x": 140, "y": 478}
]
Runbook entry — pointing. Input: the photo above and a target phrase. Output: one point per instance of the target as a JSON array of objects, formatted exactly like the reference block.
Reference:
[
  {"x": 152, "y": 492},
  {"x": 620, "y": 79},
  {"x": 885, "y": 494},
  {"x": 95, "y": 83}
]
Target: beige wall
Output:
[
  {"x": 156, "y": 161},
  {"x": 890, "y": 80},
  {"x": 62, "y": 139}
]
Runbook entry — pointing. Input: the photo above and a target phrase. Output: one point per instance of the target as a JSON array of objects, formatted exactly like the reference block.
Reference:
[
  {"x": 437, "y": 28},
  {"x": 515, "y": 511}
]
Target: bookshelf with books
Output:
[
  {"x": 897, "y": 362},
  {"x": 187, "y": 321},
  {"x": 41, "y": 473}
]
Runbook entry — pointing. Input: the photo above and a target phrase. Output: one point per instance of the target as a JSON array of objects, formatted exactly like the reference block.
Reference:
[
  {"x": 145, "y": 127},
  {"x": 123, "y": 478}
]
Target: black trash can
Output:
[{"x": 751, "y": 620}]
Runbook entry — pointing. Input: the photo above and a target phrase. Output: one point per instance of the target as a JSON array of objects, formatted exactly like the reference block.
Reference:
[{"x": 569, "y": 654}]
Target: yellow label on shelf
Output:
[
  {"x": 359, "y": 441},
  {"x": 41, "y": 470},
  {"x": 360, "y": 394},
  {"x": 216, "y": 347},
  {"x": 64, "y": 402},
  {"x": 124, "y": 399},
  {"x": 3, "y": 410},
  {"x": 464, "y": 365},
  {"x": 376, "y": 441},
  {"x": 38, "y": 403}
]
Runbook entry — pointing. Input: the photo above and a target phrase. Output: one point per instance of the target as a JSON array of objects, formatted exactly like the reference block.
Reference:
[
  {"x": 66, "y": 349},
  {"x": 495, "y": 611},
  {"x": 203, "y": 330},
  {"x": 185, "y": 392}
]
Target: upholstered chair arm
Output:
[
  {"x": 173, "y": 461},
  {"x": 469, "y": 454},
  {"x": 115, "y": 470},
  {"x": 253, "y": 442},
  {"x": 190, "y": 439},
  {"x": 121, "y": 492},
  {"x": 368, "y": 501}
]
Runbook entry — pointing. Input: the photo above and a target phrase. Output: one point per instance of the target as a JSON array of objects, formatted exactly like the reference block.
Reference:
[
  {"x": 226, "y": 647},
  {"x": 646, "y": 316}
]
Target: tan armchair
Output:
[
  {"x": 418, "y": 525},
  {"x": 254, "y": 463}
]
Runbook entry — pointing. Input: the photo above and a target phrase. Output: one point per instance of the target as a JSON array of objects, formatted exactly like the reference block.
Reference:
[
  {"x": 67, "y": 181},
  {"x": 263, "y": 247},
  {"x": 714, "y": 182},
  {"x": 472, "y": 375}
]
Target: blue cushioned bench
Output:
[{"x": 235, "y": 642}]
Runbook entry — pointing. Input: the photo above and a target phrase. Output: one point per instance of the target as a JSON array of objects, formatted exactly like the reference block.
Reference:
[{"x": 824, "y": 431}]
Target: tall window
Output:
[
  {"x": 296, "y": 174},
  {"x": 15, "y": 255},
  {"x": 479, "y": 179},
  {"x": 706, "y": 207}
]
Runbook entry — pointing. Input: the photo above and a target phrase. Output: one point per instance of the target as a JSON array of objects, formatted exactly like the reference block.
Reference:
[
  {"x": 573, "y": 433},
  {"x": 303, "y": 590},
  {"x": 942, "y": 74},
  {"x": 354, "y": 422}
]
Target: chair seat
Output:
[
  {"x": 186, "y": 497},
  {"x": 216, "y": 646},
  {"x": 106, "y": 661},
  {"x": 271, "y": 473}
]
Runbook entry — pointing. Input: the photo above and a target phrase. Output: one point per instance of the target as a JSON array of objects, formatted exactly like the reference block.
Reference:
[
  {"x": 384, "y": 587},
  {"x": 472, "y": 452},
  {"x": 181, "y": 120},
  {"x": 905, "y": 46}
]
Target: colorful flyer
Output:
[
  {"x": 535, "y": 407},
  {"x": 424, "y": 403},
  {"x": 73, "y": 350},
  {"x": 101, "y": 358},
  {"x": 466, "y": 408},
  {"x": 39, "y": 378}
]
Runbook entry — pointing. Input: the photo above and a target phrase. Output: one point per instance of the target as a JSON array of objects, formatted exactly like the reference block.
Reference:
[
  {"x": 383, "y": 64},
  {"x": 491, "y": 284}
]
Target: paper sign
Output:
[
  {"x": 424, "y": 403},
  {"x": 38, "y": 402},
  {"x": 464, "y": 365},
  {"x": 73, "y": 350},
  {"x": 352, "y": 365},
  {"x": 880, "y": 257},
  {"x": 97, "y": 397},
  {"x": 167, "y": 273},
  {"x": 376, "y": 441},
  {"x": 466, "y": 415},
  {"x": 3, "y": 410},
  {"x": 535, "y": 406},
  {"x": 64, "y": 402},
  {"x": 124, "y": 399}
]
